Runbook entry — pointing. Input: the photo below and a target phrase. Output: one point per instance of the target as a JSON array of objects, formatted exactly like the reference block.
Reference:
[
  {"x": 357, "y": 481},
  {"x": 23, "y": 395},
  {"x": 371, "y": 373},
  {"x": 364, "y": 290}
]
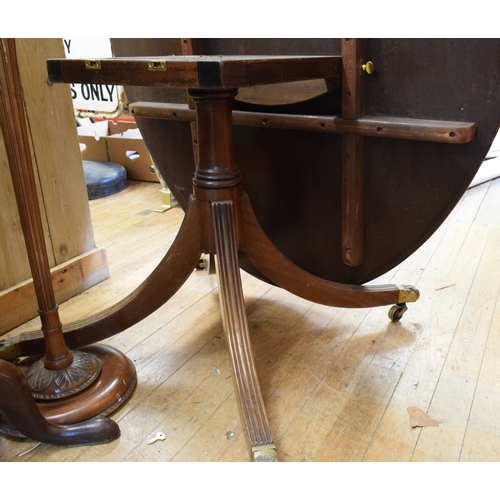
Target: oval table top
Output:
[{"x": 294, "y": 177}]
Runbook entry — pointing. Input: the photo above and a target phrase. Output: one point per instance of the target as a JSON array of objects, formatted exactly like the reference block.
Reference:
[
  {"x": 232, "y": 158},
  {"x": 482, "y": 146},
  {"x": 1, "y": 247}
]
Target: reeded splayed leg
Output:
[{"x": 252, "y": 410}]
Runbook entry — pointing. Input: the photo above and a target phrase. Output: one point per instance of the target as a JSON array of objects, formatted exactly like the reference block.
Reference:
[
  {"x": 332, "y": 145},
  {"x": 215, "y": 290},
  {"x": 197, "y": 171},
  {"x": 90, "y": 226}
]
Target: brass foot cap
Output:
[
  {"x": 407, "y": 293},
  {"x": 264, "y": 453}
]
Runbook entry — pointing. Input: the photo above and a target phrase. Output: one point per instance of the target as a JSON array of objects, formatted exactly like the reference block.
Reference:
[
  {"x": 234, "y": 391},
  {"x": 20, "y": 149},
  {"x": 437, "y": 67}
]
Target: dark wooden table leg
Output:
[
  {"x": 170, "y": 274},
  {"x": 283, "y": 272},
  {"x": 17, "y": 404}
]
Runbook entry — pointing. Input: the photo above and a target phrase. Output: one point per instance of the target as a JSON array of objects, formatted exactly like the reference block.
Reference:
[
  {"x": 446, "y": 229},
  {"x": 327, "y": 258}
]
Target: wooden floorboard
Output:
[{"x": 336, "y": 383}]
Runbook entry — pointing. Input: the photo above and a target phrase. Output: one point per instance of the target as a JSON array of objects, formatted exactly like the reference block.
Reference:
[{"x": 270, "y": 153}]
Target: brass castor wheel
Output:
[{"x": 396, "y": 312}]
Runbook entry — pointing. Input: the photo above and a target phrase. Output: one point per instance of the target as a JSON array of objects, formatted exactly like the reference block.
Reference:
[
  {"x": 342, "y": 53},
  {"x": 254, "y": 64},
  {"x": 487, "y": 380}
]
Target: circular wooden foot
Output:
[{"x": 111, "y": 389}]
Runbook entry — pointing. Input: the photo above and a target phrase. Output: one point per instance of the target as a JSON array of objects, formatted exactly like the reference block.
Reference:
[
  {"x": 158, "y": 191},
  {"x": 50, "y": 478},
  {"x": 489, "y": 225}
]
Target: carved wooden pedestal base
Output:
[
  {"x": 67, "y": 420},
  {"x": 48, "y": 384},
  {"x": 73, "y": 387}
]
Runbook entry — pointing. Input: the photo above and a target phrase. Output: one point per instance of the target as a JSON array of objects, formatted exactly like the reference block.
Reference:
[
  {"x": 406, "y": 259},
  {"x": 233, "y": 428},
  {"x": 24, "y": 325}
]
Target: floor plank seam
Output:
[
  {"x": 478, "y": 376},
  {"x": 452, "y": 340}
]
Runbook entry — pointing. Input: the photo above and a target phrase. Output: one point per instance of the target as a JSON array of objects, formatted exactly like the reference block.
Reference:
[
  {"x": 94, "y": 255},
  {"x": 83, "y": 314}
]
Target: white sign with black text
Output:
[{"x": 91, "y": 96}]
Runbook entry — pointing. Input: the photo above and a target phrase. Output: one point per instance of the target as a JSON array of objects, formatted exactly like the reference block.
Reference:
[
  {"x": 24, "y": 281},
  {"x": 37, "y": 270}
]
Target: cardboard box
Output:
[
  {"x": 92, "y": 141},
  {"x": 119, "y": 142},
  {"x": 128, "y": 149}
]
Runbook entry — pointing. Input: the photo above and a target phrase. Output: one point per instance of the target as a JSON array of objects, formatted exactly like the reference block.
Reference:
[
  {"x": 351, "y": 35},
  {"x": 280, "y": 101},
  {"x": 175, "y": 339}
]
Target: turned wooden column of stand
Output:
[
  {"x": 217, "y": 182},
  {"x": 61, "y": 372},
  {"x": 58, "y": 358}
]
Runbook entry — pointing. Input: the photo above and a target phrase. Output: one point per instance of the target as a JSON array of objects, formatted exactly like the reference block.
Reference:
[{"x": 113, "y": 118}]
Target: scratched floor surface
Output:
[{"x": 337, "y": 383}]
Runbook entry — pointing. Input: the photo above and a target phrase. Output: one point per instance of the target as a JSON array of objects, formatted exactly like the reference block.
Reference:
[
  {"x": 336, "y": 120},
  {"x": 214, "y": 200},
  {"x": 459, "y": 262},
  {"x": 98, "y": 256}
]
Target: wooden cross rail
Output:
[
  {"x": 375, "y": 126},
  {"x": 354, "y": 130},
  {"x": 353, "y": 152}
]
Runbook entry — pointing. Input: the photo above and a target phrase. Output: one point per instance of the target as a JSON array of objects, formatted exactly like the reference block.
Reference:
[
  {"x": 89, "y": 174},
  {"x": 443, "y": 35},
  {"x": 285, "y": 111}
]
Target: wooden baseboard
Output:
[{"x": 18, "y": 304}]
